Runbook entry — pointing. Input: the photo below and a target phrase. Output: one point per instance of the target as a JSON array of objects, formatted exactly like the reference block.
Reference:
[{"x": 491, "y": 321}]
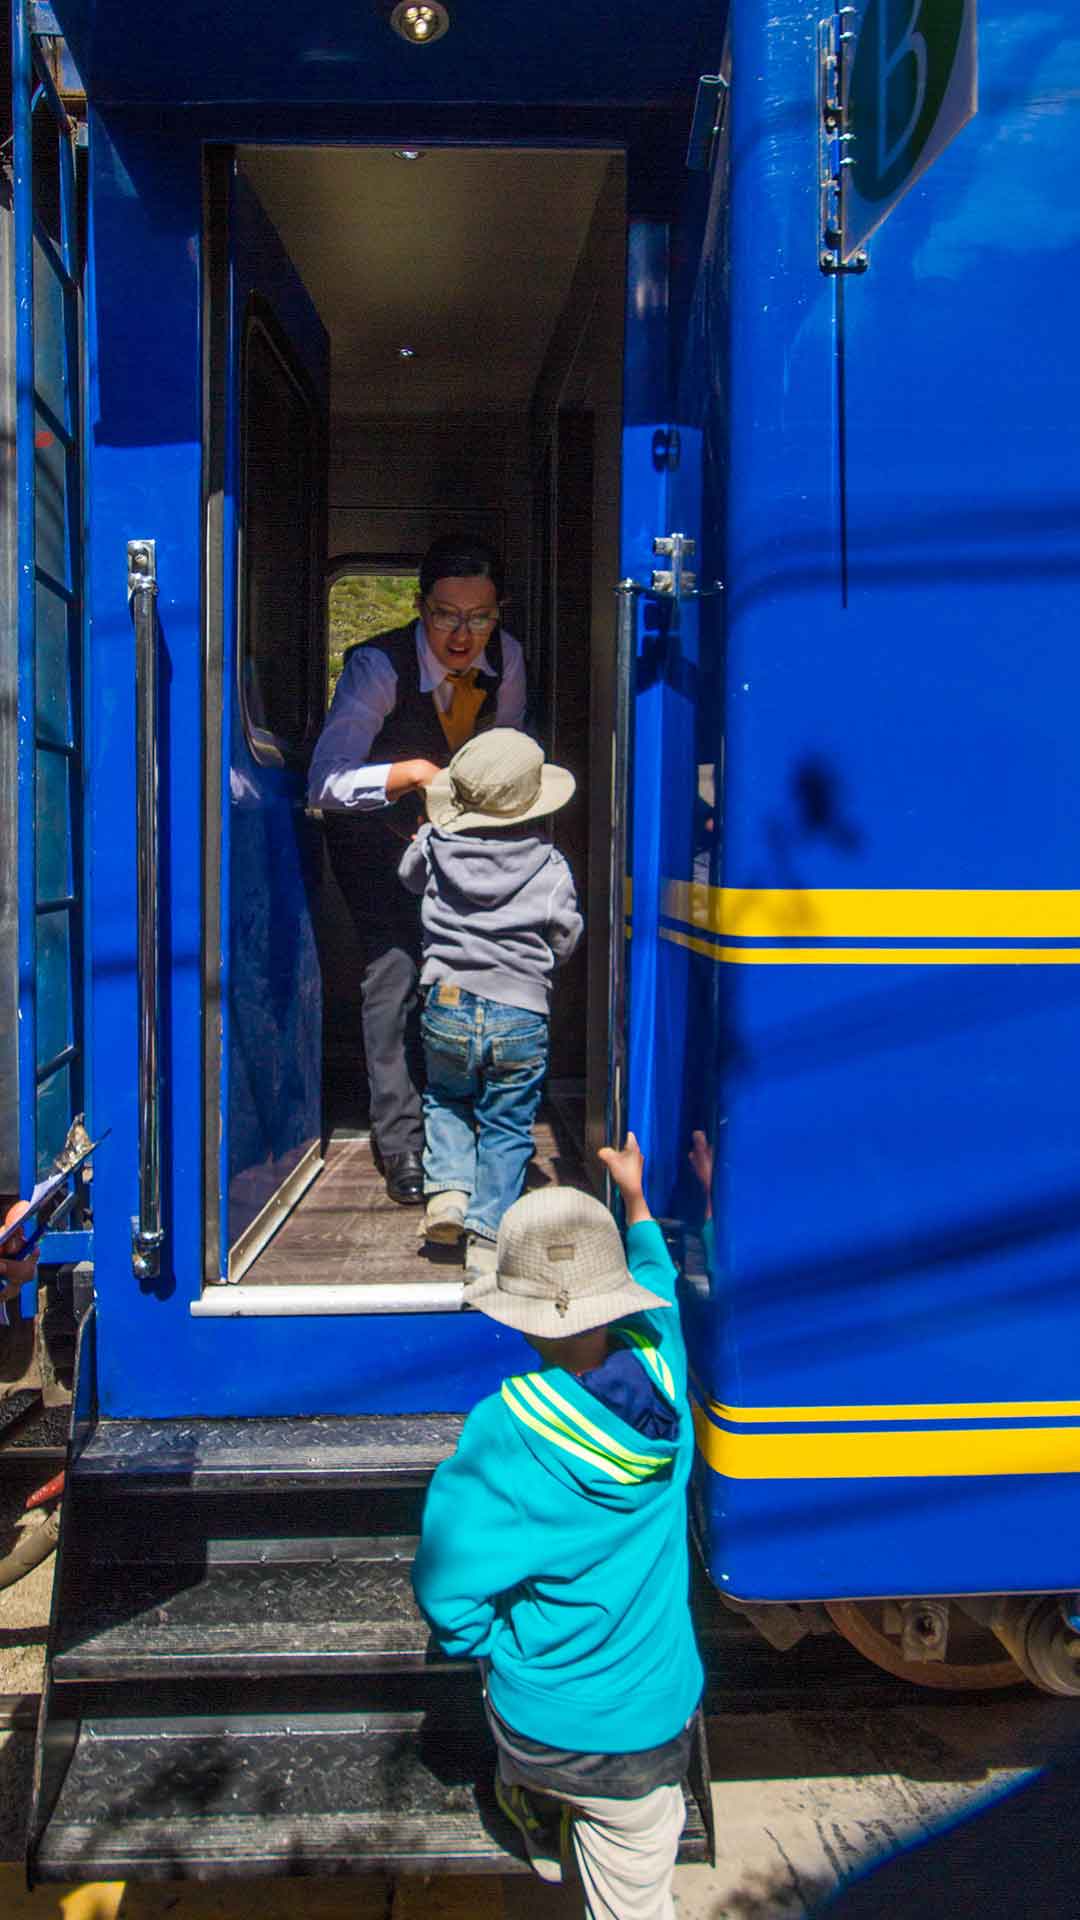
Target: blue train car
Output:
[{"x": 747, "y": 336}]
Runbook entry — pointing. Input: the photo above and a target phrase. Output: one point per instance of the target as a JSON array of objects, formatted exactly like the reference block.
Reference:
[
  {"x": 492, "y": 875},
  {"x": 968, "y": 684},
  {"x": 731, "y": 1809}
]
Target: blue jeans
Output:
[{"x": 485, "y": 1071}]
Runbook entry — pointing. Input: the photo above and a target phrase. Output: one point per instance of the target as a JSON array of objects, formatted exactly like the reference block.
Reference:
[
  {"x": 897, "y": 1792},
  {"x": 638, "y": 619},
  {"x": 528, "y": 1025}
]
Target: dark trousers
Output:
[
  {"x": 385, "y": 918},
  {"x": 390, "y": 1003}
]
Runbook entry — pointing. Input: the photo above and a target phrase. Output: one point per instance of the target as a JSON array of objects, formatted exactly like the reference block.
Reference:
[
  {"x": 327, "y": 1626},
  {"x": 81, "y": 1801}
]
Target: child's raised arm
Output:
[{"x": 626, "y": 1166}]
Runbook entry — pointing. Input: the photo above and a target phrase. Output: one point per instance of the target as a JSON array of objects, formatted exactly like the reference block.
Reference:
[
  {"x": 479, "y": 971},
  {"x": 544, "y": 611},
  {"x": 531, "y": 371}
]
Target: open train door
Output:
[{"x": 267, "y": 392}]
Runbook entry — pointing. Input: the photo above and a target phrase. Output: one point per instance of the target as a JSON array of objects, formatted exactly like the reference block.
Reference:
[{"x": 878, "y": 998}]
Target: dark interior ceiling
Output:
[{"x": 344, "y": 51}]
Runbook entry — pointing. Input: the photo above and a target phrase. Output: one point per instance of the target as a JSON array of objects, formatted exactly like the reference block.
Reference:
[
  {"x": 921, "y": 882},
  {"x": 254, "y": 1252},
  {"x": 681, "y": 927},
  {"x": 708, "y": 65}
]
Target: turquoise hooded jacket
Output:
[{"x": 554, "y": 1546}]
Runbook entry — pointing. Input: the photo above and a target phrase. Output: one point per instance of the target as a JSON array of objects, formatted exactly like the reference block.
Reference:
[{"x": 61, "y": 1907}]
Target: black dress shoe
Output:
[{"x": 404, "y": 1177}]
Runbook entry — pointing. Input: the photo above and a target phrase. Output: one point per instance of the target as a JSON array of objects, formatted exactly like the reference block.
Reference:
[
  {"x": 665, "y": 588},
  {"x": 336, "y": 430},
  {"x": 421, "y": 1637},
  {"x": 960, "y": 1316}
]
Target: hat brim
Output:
[
  {"x": 556, "y": 788},
  {"x": 531, "y": 1315}
]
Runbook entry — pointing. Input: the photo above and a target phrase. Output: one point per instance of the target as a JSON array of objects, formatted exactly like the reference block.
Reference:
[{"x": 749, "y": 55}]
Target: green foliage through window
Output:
[{"x": 363, "y": 604}]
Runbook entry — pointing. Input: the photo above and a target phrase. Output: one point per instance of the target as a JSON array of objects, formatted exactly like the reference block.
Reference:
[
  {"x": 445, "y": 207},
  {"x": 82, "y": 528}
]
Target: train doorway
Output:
[{"x": 399, "y": 343}]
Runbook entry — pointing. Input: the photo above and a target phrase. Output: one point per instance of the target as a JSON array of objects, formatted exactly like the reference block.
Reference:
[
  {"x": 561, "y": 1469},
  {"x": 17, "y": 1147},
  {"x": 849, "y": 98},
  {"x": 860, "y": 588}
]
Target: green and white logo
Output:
[{"x": 912, "y": 85}]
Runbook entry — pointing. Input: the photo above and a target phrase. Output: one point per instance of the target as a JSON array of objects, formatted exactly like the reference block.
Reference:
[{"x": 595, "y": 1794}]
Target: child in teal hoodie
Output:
[{"x": 554, "y": 1545}]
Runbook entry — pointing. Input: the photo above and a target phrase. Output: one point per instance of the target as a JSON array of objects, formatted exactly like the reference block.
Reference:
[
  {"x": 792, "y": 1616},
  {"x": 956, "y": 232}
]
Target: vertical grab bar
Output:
[
  {"x": 147, "y": 1232},
  {"x": 626, "y": 594}
]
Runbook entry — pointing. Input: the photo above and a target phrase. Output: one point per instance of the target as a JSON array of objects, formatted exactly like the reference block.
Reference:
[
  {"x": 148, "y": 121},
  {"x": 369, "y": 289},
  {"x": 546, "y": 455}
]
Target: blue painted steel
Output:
[
  {"x": 894, "y": 1188},
  {"x": 22, "y": 171},
  {"x": 48, "y": 459},
  {"x": 271, "y": 984},
  {"x": 897, "y": 1213},
  {"x": 679, "y": 687}
]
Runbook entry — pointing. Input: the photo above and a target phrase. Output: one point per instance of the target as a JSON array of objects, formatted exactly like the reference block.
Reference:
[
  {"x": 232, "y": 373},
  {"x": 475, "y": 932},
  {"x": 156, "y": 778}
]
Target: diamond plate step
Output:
[
  {"x": 207, "y": 1798},
  {"x": 249, "y": 1608},
  {"x": 157, "y": 1456}
]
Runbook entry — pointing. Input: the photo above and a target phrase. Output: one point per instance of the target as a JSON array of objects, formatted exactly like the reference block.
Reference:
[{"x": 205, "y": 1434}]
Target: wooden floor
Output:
[{"x": 345, "y": 1232}]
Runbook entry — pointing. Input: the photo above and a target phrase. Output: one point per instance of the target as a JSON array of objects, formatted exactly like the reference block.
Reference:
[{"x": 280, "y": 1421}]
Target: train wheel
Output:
[{"x": 859, "y": 1622}]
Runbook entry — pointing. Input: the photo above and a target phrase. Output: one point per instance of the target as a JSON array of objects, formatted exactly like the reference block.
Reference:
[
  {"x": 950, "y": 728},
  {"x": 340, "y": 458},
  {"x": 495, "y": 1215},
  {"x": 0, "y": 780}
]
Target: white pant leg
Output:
[{"x": 625, "y": 1852}]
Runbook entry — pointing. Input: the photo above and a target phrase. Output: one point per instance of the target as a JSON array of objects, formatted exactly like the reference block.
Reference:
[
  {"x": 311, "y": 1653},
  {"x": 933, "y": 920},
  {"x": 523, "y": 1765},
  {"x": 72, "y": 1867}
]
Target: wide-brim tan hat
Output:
[
  {"x": 560, "y": 1268},
  {"x": 495, "y": 780}
]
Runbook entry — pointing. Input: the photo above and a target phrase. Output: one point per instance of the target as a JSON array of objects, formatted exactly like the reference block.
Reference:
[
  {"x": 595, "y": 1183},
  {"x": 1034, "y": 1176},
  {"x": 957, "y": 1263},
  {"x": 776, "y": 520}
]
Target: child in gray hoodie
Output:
[{"x": 499, "y": 913}]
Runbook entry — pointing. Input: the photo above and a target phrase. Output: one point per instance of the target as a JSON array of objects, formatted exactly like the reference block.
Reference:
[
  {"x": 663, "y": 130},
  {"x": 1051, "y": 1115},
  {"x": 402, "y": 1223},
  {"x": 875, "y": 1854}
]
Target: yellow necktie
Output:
[{"x": 458, "y": 718}]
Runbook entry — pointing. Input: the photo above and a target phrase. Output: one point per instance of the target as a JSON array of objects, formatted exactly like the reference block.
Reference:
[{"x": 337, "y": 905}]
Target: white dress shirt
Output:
[{"x": 339, "y": 775}]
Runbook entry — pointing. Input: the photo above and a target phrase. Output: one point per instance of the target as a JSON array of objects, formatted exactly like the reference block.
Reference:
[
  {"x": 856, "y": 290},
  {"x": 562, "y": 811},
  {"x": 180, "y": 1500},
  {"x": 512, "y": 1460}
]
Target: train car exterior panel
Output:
[{"x": 892, "y": 929}]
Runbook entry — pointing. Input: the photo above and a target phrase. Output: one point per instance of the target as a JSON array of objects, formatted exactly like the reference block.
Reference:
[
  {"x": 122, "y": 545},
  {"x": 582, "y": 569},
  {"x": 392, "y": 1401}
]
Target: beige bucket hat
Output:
[
  {"x": 560, "y": 1268},
  {"x": 499, "y": 777}
]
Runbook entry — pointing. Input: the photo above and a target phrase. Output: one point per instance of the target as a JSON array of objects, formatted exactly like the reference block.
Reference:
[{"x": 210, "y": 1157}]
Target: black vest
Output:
[{"x": 365, "y": 848}]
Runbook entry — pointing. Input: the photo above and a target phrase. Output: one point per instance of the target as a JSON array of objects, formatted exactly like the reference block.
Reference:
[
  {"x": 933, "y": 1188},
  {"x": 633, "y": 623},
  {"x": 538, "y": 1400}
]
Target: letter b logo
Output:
[{"x": 903, "y": 60}]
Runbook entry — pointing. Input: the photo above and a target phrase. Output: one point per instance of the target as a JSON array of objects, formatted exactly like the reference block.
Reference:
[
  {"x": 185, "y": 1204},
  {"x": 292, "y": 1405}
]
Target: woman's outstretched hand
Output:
[{"x": 626, "y": 1165}]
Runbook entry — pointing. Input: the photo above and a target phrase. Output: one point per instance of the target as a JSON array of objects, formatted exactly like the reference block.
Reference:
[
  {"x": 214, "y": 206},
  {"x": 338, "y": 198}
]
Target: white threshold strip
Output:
[{"x": 251, "y": 1302}]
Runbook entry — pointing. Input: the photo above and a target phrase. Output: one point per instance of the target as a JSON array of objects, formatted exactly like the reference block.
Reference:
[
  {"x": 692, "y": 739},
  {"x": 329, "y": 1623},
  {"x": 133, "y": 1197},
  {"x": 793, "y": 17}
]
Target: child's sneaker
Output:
[
  {"x": 544, "y": 1840},
  {"x": 479, "y": 1257},
  {"x": 444, "y": 1217}
]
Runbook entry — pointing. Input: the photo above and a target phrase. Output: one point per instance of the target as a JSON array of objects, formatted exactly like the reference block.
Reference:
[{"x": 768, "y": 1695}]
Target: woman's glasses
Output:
[{"x": 445, "y": 621}]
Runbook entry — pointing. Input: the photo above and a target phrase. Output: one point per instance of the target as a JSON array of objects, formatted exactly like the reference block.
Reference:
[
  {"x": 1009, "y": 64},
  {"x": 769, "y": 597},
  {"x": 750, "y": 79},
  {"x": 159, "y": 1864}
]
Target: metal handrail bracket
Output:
[{"x": 147, "y": 1231}]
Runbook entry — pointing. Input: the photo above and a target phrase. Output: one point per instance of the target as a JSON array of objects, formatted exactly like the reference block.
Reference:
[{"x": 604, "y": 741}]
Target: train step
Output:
[
  {"x": 247, "y": 1607},
  {"x": 213, "y": 1796},
  {"x": 205, "y": 1456},
  {"x": 239, "y": 1681}
]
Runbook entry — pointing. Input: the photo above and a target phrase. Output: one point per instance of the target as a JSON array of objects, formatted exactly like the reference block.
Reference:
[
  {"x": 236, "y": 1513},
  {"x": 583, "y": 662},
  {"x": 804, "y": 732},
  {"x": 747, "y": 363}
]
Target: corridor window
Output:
[{"x": 366, "y": 600}]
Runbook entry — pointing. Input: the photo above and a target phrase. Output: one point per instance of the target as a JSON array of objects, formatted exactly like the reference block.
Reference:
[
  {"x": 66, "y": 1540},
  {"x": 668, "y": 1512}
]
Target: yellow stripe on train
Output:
[
  {"x": 935, "y": 1454},
  {"x": 875, "y": 913}
]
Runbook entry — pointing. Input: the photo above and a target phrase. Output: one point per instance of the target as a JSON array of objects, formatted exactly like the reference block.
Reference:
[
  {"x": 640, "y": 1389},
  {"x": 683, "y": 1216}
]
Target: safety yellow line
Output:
[
  {"x": 917, "y": 1410},
  {"x": 470, "y": 1897},
  {"x": 876, "y": 913},
  {"x": 937, "y": 1455},
  {"x": 877, "y": 956}
]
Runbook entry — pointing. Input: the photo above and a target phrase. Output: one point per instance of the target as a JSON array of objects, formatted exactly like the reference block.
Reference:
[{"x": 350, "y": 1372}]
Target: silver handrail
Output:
[
  {"x": 626, "y": 596},
  {"x": 147, "y": 1232}
]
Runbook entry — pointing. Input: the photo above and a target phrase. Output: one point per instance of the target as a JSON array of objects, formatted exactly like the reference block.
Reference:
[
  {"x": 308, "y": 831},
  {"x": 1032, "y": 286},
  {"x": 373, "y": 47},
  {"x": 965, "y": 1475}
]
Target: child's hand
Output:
[
  {"x": 700, "y": 1157},
  {"x": 626, "y": 1166},
  {"x": 15, "y": 1273}
]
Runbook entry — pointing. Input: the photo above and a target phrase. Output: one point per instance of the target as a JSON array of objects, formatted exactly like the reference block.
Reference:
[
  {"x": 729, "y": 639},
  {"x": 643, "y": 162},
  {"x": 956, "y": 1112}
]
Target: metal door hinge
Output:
[
  {"x": 836, "y": 38},
  {"x": 677, "y": 582},
  {"x": 674, "y": 580}
]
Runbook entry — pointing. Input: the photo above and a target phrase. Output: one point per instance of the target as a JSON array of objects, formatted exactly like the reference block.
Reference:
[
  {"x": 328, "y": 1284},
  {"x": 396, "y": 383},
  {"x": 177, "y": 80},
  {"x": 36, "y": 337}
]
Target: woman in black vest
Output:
[{"x": 405, "y": 702}]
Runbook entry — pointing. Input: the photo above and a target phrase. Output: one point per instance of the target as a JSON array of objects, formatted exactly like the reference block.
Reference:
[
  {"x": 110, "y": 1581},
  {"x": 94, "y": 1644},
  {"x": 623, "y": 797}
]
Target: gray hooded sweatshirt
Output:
[{"x": 498, "y": 915}]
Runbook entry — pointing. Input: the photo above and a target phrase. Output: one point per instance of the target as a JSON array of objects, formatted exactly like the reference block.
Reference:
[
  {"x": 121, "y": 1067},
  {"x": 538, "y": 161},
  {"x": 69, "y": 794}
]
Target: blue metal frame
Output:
[
  {"x": 49, "y": 974},
  {"x": 267, "y": 845}
]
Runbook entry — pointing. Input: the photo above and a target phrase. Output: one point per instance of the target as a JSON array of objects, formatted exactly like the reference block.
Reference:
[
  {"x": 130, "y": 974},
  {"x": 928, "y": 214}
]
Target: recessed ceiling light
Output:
[
  {"x": 406, "y": 353},
  {"x": 420, "y": 21}
]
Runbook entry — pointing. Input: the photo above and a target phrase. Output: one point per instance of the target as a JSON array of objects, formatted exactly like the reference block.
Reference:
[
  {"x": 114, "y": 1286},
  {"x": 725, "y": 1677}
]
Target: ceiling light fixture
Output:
[
  {"x": 406, "y": 353},
  {"x": 420, "y": 21}
]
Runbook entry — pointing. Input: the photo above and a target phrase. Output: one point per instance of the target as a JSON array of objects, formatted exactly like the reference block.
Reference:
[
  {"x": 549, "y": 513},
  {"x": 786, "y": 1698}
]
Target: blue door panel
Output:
[{"x": 272, "y": 989}]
